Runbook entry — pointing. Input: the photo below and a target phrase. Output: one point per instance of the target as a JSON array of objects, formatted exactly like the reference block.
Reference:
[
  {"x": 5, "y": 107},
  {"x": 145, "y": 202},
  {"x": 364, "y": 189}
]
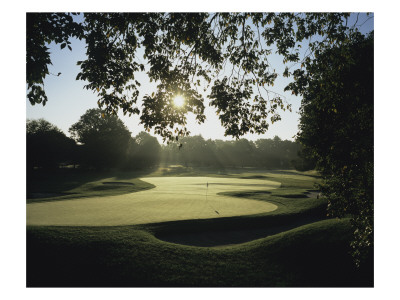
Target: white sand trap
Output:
[{"x": 173, "y": 198}]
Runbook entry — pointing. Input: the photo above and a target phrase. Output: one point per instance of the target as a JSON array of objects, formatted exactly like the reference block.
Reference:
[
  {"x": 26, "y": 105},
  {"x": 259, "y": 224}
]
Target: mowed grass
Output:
[
  {"x": 301, "y": 249},
  {"x": 311, "y": 255},
  {"x": 172, "y": 198},
  {"x": 69, "y": 184}
]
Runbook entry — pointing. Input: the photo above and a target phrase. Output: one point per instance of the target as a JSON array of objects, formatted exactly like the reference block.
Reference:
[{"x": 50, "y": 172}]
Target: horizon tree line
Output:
[{"x": 101, "y": 141}]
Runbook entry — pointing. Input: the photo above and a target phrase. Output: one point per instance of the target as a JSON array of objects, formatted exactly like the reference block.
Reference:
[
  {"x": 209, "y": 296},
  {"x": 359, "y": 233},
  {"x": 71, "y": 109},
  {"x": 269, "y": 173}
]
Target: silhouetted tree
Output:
[
  {"x": 196, "y": 151},
  {"x": 304, "y": 161},
  {"x": 184, "y": 51},
  {"x": 144, "y": 152},
  {"x": 104, "y": 139},
  {"x": 336, "y": 129},
  {"x": 41, "y": 30},
  {"x": 243, "y": 152},
  {"x": 46, "y": 145}
]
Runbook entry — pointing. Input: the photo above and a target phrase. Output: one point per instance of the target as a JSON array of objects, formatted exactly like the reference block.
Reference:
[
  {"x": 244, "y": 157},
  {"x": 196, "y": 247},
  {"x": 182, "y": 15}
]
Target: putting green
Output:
[{"x": 173, "y": 198}]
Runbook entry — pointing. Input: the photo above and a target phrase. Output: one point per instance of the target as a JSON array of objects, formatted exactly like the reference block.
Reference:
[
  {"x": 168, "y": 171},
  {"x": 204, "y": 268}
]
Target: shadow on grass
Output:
[
  {"x": 313, "y": 255},
  {"x": 69, "y": 183},
  {"x": 228, "y": 237}
]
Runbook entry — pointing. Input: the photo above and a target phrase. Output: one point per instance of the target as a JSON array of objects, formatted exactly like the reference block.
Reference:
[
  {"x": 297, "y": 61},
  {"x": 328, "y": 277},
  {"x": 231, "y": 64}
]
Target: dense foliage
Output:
[
  {"x": 105, "y": 142},
  {"x": 103, "y": 139},
  {"x": 144, "y": 152},
  {"x": 41, "y": 30},
  {"x": 337, "y": 130},
  {"x": 47, "y": 146},
  {"x": 185, "y": 53},
  {"x": 263, "y": 153}
]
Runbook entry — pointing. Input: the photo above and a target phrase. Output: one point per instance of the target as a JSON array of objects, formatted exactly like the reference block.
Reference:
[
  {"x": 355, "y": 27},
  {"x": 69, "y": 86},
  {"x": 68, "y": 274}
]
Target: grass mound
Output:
[
  {"x": 46, "y": 187},
  {"x": 300, "y": 249},
  {"x": 312, "y": 255}
]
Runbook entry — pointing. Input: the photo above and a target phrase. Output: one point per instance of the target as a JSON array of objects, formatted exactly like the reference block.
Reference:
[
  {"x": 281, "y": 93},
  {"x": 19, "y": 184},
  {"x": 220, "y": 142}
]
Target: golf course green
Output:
[
  {"x": 248, "y": 228},
  {"x": 172, "y": 199}
]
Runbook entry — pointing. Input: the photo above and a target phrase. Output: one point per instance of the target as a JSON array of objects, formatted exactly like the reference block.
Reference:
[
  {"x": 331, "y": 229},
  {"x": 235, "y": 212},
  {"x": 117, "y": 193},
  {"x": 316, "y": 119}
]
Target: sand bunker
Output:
[{"x": 173, "y": 198}]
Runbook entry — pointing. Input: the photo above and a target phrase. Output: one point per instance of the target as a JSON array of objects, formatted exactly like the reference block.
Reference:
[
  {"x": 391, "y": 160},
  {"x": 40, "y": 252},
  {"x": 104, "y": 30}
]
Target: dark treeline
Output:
[
  {"x": 264, "y": 153},
  {"x": 47, "y": 145},
  {"x": 99, "y": 141}
]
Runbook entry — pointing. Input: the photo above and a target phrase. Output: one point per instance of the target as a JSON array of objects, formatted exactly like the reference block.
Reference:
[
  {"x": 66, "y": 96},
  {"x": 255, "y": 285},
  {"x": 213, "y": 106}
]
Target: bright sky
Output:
[{"x": 68, "y": 100}]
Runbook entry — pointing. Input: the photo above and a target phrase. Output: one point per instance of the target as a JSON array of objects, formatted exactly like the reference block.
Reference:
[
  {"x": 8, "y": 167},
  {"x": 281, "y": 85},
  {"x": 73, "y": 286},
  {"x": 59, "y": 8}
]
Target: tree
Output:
[
  {"x": 185, "y": 52},
  {"x": 41, "y": 30},
  {"x": 104, "y": 139},
  {"x": 243, "y": 152},
  {"x": 337, "y": 130},
  {"x": 303, "y": 161},
  {"x": 263, "y": 153},
  {"x": 144, "y": 152},
  {"x": 46, "y": 145}
]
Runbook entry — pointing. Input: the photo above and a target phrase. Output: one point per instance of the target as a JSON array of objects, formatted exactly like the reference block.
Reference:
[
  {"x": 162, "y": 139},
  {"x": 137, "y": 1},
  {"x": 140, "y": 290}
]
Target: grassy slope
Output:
[
  {"x": 68, "y": 184},
  {"x": 311, "y": 255}
]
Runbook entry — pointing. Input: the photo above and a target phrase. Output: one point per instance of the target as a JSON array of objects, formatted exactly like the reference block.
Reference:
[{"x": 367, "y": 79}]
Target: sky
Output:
[{"x": 68, "y": 100}]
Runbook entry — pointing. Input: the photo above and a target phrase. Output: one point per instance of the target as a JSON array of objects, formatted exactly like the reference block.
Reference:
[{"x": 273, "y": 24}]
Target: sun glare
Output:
[{"x": 179, "y": 101}]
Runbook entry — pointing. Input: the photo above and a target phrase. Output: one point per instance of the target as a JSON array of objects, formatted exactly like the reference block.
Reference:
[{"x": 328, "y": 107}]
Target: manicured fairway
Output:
[
  {"x": 173, "y": 198},
  {"x": 261, "y": 245}
]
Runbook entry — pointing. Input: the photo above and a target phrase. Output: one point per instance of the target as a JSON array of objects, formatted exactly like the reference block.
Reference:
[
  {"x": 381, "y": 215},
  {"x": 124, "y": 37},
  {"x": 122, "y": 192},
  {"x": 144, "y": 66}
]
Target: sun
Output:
[{"x": 179, "y": 101}]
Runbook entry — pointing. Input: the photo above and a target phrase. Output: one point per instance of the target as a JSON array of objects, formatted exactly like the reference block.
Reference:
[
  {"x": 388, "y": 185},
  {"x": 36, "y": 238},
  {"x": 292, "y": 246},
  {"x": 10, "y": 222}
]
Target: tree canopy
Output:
[
  {"x": 103, "y": 138},
  {"x": 144, "y": 152},
  {"x": 262, "y": 153},
  {"x": 47, "y": 146},
  {"x": 337, "y": 130},
  {"x": 186, "y": 54}
]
